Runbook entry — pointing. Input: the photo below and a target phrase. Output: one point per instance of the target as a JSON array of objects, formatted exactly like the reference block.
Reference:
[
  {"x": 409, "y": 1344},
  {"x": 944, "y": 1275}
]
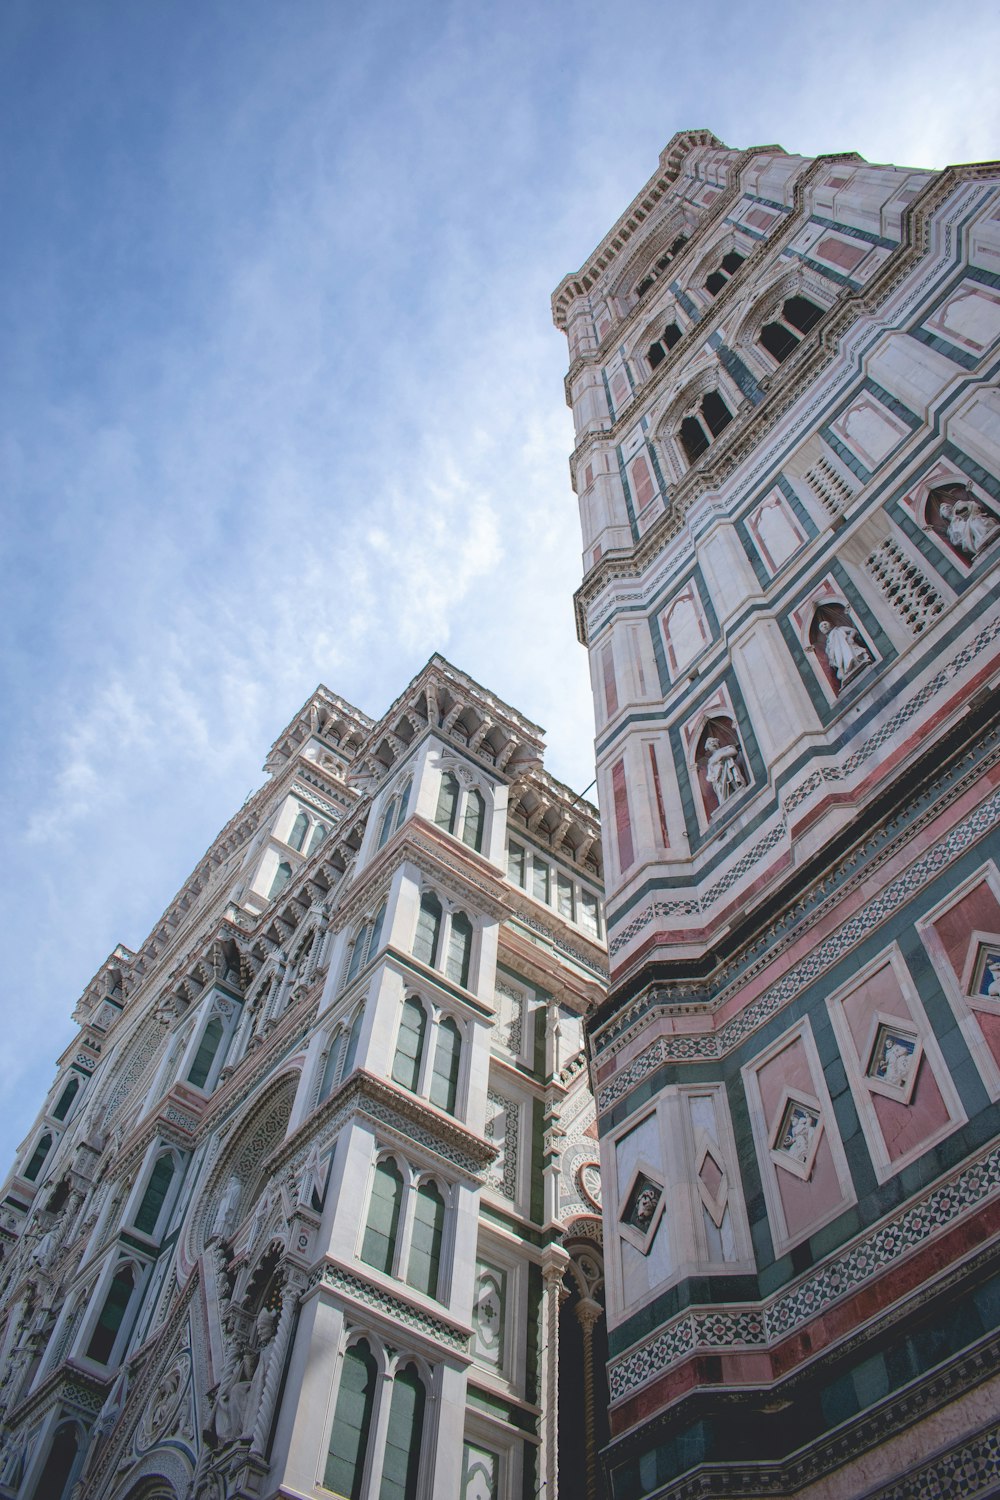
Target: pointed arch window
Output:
[
  {"x": 112, "y": 1315},
  {"x": 783, "y": 335},
  {"x": 353, "y": 1041},
  {"x": 282, "y": 876},
  {"x": 319, "y": 833},
  {"x": 425, "y": 1239},
  {"x": 474, "y": 820},
  {"x": 300, "y": 827},
  {"x": 447, "y": 1062},
  {"x": 366, "y": 944},
  {"x": 658, "y": 352},
  {"x": 157, "y": 1188},
  {"x": 66, "y": 1098},
  {"x": 38, "y": 1156},
  {"x": 459, "y": 949},
  {"x": 447, "y": 806},
  {"x": 205, "y": 1055},
  {"x": 352, "y": 1421},
  {"x": 428, "y": 938},
  {"x": 728, "y": 267},
  {"x": 697, "y": 431},
  {"x": 401, "y": 1464},
  {"x": 410, "y": 1044},
  {"x": 378, "y": 1248}
]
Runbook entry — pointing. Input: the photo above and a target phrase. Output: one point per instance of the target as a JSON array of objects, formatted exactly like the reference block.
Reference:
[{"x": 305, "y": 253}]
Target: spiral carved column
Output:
[{"x": 588, "y": 1311}]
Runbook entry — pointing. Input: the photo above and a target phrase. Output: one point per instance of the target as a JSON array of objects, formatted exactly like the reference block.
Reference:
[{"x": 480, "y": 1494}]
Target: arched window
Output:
[
  {"x": 729, "y": 265},
  {"x": 297, "y": 837},
  {"x": 353, "y": 1039},
  {"x": 39, "y": 1154},
  {"x": 66, "y": 1098},
  {"x": 459, "y": 949},
  {"x": 156, "y": 1191},
  {"x": 282, "y": 876},
  {"x": 345, "y": 1463},
  {"x": 205, "y": 1055},
  {"x": 319, "y": 833},
  {"x": 425, "y": 1239},
  {"x": 696, "y": 432},
  {"x": 410, "y": 1044},
  {"x": 447, "y": 1061},
  {"x": 425, "y": 944},
  {"x": 366, "y": 943},
  {"x": 385, "y": 828},
  {"x": 401, "y": 1464},
  {"x": 657, "y": 352},
  {"x": 378, "y": 1247},
  {"x": 59, "y": 1464},
  {"x": 333, "y": 1055},
  {"x": 112, "y": 1315},
  {"x": 782, "y": 336},
  {"x": 694, "y": 439},
  {"x": 475, "y": 817},
  {"x": 447, "y": 807},
  {"x": 404, "y": 803}
]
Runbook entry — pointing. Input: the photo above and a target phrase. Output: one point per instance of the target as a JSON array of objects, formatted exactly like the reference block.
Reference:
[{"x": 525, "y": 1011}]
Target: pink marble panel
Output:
[
  {"x": 978, "y": 911},
  {"x": 880, "y": 991},
  {"x": 905, "y": 1126},
  {"x": 839, "y": 253}
]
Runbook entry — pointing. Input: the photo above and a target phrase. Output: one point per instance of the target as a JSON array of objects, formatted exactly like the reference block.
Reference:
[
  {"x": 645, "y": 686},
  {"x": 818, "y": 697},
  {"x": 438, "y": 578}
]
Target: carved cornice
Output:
[{"x": 398, "y": 1309}]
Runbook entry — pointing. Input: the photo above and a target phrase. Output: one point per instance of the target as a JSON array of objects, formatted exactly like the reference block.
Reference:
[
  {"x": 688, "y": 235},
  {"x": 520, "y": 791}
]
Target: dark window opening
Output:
[
  {"x": 778, "y": 340},
  {"x": 715, "y": 283},
  {"x": 656, "y": 355},
  {"x": 644, "y": 286},
  {"x": 801, "y": 313},
  {"x": 716, "y": 412},
  {"x": 693, "y": 439},
  {"x": 732, "y": 261},
  {"x": 672, "y": 335}
]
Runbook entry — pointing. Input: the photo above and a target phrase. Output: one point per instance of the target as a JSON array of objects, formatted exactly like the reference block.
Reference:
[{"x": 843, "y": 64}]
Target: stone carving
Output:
[
  {"x": 724, "y": 769},
  {"x": 970, "y": 528},
  {"x": 797, "y": 1137},
  {"x": 230, "y": 1403},
  {"x": 225, "y": 1220},
  {"x": 844, "y": 650},
  {"x": 163, "y": 1406}
]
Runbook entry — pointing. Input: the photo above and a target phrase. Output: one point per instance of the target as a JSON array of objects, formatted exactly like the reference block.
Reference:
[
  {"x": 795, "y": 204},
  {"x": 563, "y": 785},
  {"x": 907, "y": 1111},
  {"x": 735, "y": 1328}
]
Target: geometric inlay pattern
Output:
[
  {"x": 853, "y": 1267},
  {"x": 717, "y": 1044}
]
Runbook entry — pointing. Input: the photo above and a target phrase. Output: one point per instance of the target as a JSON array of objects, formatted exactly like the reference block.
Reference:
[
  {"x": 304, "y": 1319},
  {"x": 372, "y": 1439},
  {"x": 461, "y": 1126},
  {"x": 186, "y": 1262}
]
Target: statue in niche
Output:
[
  {"x": 725, "y": 771},
  {"x": 225, "y": 1215},
  {"x": 844, "y": 649},
  {"x": 230, "y": 1404},
  {"x": 264, "y": 1328},
  {"x": 968, "y": 526}
]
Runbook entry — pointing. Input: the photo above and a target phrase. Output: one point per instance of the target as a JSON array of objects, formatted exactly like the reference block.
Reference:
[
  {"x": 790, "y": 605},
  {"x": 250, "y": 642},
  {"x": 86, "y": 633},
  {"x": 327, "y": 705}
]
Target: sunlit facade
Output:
[
  {"x": 783, "y": 380},
  {"x": 319, "y": 1169}
]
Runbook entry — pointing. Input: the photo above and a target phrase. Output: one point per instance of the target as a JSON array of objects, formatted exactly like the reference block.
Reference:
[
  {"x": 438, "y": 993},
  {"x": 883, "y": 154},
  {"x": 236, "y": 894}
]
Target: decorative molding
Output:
[{"x": 399, "y": 1311}]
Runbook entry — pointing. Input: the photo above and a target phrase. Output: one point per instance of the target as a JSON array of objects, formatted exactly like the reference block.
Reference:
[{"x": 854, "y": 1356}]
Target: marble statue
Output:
[
  {"x": 843, "y": 649},
  {"x": 970, "y": 527},
  {"x": 723, "y": 769}
]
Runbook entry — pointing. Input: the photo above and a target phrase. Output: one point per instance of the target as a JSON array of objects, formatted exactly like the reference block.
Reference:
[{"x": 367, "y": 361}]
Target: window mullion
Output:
[
  {"x": 429, "y": 1052},
  {"x": 379, "y": 1432},
  {"x": 404, "y": 1235}
]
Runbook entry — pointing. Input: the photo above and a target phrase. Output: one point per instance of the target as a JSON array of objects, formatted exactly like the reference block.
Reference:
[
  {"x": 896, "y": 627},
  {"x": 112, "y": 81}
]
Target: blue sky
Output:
[{"x": 280, "y": 399}]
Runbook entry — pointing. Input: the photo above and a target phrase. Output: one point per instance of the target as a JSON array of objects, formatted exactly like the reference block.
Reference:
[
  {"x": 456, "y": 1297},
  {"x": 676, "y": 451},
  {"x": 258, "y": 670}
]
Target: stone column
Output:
[
  {"x": 553, "y": 1293},
  {"x": 588, "y": 1312},
  {"x": 275, "y": 1365}
]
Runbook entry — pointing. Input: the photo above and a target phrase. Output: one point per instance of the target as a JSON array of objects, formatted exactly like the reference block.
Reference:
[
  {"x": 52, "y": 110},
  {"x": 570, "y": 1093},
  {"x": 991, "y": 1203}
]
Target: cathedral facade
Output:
[
  {"x": 319, "y": 1168},
  {"x": 783, "y": 377}
]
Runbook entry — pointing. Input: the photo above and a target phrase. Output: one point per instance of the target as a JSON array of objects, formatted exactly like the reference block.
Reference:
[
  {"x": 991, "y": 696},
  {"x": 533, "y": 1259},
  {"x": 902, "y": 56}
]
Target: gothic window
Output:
[
  {"x": 459, "y": 949},
  {"x": 112, "y": 1315},
  {"x": 401, "y": 1464},
  {"x": 590, "y": 915},
  {"x": 353, "y": 1039},
  {"x": 148, "y": 1213},
  {"x": 282, "y": 876},
  {"x": 653, "y": 275},
  {"x": 783, "y": 335},
  {"x": 59, "y": 1461},
  {"x": 378, "y": 1248},
  {"x": 447, "y": 1062},
  {"x": 657, "y": 353},
  {"x": 297, "y": 837},
  {"x": 66, "y": 1098},
  {"x": 428, "y": 938},
  {"x": 425, "y": 1239},
  {"x": 540, "y": 880},
  {"x": 366, "y": 943},
  {"x": 447, "y": 808},
  {"x": 698, "y": 429},
  {"x": 319, "y": 833},
  {"x": 345, "y": 1463},
  {"x": 728, "y": 267},
  {"x": 201, "y": 1067},
  {"x": 410, "y": 1044},
  {"x": 564, "y": 897},
  {"x": 394, "y": 815},
  {"x": 39, "y": 1154},
  {"x": 472, "y": 823}
]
